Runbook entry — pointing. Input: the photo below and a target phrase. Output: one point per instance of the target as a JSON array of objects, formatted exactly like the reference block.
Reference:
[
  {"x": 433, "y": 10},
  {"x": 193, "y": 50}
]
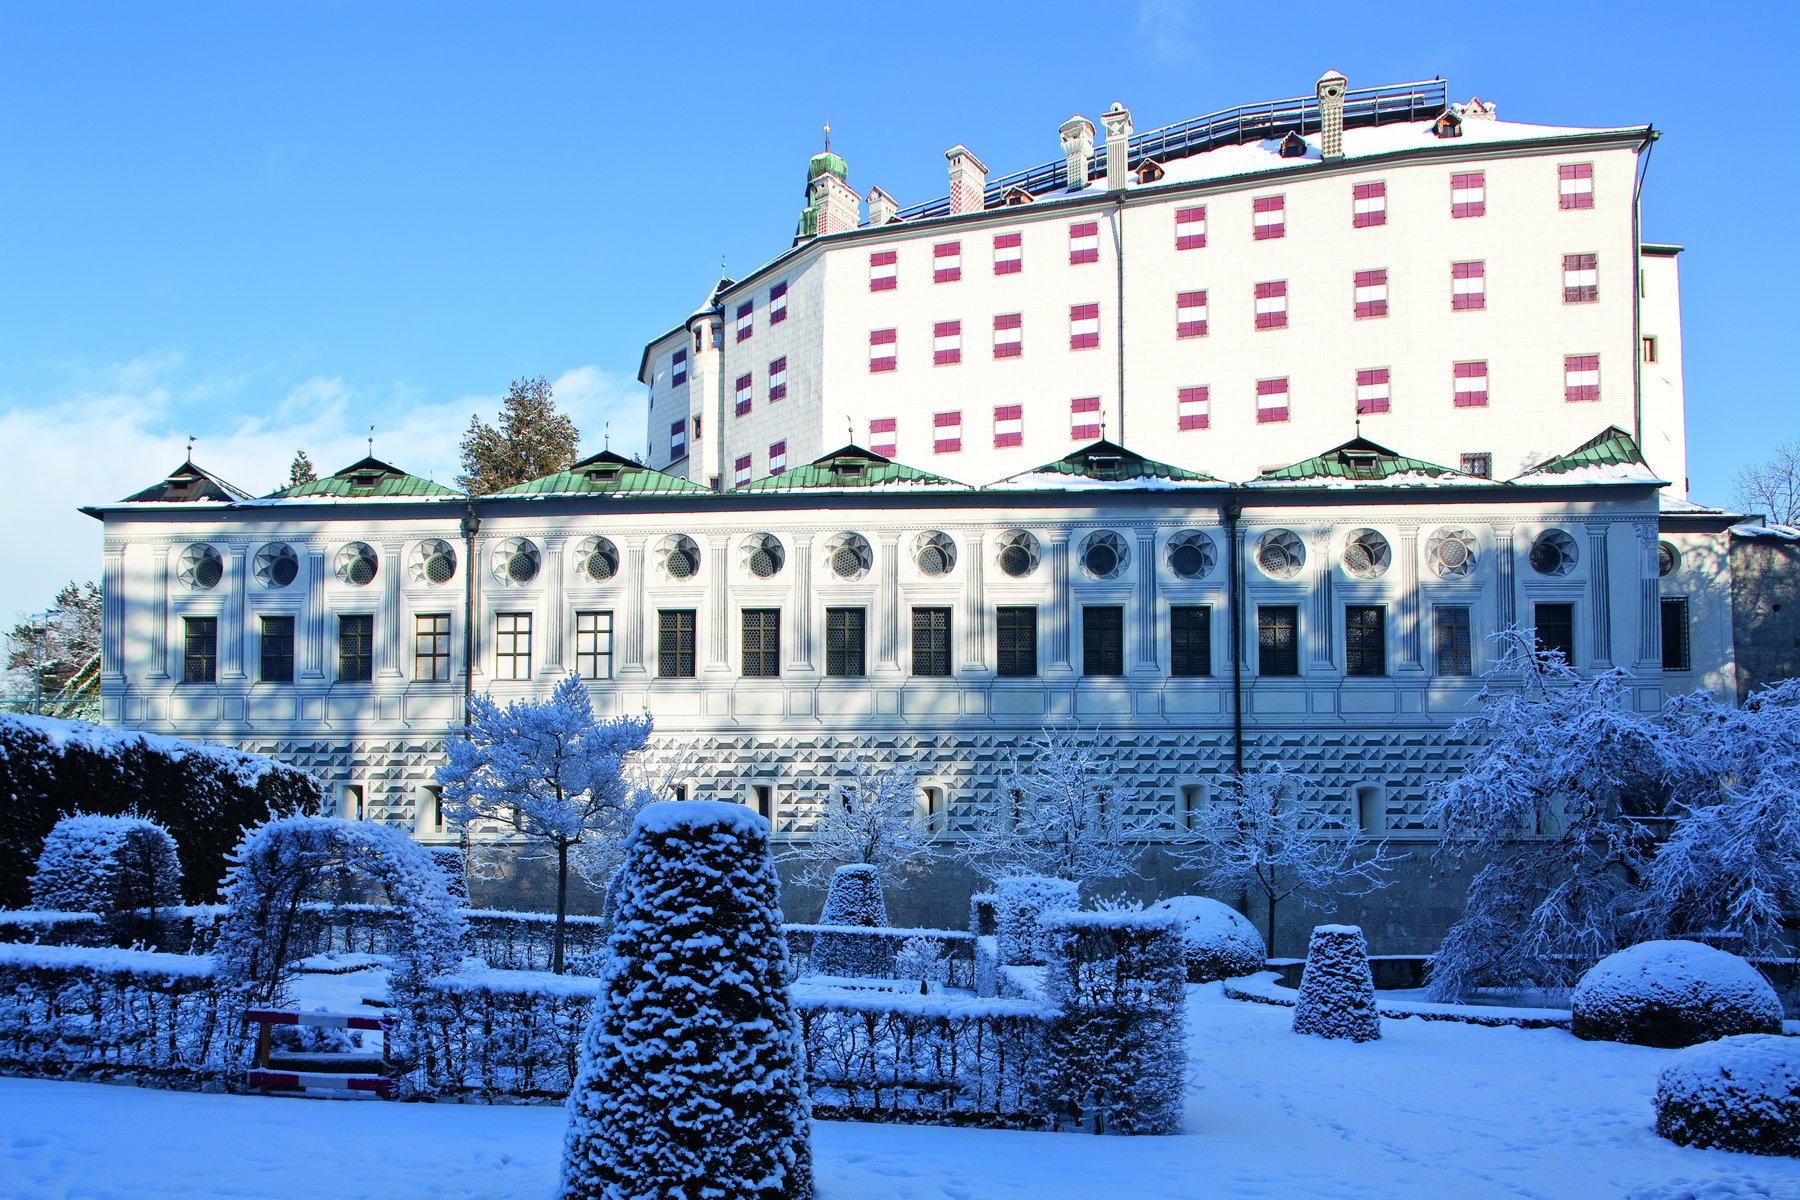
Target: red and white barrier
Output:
[
  {"x": 319, "y": 1081},
  {"x": 319, "y": 1020},
  {"x": 265, "y": 1080}
]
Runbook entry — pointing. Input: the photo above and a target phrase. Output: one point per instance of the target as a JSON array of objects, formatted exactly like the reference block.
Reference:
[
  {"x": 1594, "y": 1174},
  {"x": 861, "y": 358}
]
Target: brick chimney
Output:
[
  {"x": 834, "y": 202},
  {"x": 1330, "y": 89},
  {"x": 968, "y": 181},
  {"x": 881, "y": 207},
  {"x": 1078, "y": 145},
  {"x": 1117, "y": 123}
]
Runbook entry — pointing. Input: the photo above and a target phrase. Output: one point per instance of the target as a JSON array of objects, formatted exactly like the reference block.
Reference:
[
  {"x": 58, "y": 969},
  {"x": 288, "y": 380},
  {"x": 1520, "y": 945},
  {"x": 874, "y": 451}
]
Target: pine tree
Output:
[
  {"x": 301, "y": 470},
  {"x": 55, "y": 656},
  {"x": 533, "y": 440}
]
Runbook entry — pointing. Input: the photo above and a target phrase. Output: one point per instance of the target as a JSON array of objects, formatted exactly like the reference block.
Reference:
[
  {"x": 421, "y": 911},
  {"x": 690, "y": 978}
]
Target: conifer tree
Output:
[
  {"x": 301, "y": 470},
  {"x": 532, "y": 440}
]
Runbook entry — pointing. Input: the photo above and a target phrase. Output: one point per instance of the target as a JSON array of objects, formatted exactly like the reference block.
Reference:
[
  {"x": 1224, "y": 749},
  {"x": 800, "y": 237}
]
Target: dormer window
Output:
[
  {"x": 363, "y": 484},
  {"x": 603, "y": 474},
  {"x": 1104, "y": 466},
  {"x": 1360, "y": 464},
  {"x": 1293, "y": 146},
  {"x": 849, "y": 470}
]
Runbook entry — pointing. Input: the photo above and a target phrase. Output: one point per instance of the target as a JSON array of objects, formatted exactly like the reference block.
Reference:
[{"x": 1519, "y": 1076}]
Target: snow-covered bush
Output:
[
  {"x": 692, "y": 1076},
  {"x": 204, "y": 795},
  {"x": 1020, "y": 903},
  {"x": 498, "y": 1035},
  {"x": 1673, "y": 994},
  {"x": 987, "y": 966},
  {"x": 1337, "y": 990},
  {"x": 983, "y": 921},
  {"x": 1117, "y": 1047},
  {"x": 525, "y": 941},
  {"x": 1219, "y": 941},
  {"x": 50, "y": 927},
  {"x": 123, "y": 867},
  {"x": 452, "y": 863},
  {"x": 854, "y": 899},
  {"x": 924, "y": 959},
  {"x": 1738, "y": 1093}
]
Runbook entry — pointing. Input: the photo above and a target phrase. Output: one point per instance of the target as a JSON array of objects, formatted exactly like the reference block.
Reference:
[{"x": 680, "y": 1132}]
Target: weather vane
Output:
[
  {"x": 191, "y": 440},
  {"x": 371, "y": 441},
  {"x": 828, "y": 135},
  {"x": 607, "y": 428}
]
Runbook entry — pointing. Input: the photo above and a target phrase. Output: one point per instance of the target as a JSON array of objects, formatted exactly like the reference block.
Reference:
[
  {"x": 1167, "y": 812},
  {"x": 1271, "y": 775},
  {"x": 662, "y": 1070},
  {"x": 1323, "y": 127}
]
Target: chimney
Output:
[
  {"x": 1078, "y": 145},
  {"x": 1331, "y": 115},
  {"x": 1117, "y": 123},
  {"x": 834, "y": 203},
  {"x": 881, "y": 207},
  {"x": 968, "y": 181}
]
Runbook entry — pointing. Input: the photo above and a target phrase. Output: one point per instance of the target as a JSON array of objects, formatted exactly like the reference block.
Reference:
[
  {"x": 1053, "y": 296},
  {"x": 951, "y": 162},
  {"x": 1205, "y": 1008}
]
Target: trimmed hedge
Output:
[
  {"x": 1672, "y": 994},
  {"x": 1020, "y": 902},
  {"x": 1738, "y": 1093},
  {"x": 1337, "y": 991},
  {"x": 498, "y": 1036}
]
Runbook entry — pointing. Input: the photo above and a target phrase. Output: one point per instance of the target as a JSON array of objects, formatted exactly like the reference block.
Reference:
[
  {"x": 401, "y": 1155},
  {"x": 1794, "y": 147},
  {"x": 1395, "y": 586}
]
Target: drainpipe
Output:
[
  {"x": 1234, "y": 509},
  {"x": 1637, "y": 286},
  {"x": 471, "y": 524},
  {"x": 1118, "y": 224}
]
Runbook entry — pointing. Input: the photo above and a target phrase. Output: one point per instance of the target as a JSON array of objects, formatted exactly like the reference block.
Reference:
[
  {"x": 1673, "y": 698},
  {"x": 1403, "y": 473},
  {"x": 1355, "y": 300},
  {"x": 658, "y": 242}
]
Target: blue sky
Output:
[{"x": 273, "y": 225}]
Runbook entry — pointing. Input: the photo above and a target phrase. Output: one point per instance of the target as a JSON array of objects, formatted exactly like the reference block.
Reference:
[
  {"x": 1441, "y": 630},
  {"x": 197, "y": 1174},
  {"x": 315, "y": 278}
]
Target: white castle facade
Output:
[{"x": 1228, "y": 442}]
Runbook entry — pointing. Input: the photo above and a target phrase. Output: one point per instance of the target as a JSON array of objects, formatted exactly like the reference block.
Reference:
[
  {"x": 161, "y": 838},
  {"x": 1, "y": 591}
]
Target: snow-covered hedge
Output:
[
  {"x": 1219, "y": 941},
  {"x": 1265, "y": 987},
  {"x": 105, "y": 865},
  {"x": 1673, "y": 994},
  {"x": 104, "y": 1013},
  {"x": 1738, "y": 1093},
  {"x": 853, "y": 899},
  {"x": 984, "y": 920},
  {"x": 204, "y": 795},
  {"x": 1337, "y": 990},
  {"x": 42, "y": 927},
  {"x": 882, "y": 948},
  {"x": 497, "y": 1035},
  {"x": 522, "y": 941},
  {"x": 1019, "y": 903},
  {"x": 1117, "y": 1048}
]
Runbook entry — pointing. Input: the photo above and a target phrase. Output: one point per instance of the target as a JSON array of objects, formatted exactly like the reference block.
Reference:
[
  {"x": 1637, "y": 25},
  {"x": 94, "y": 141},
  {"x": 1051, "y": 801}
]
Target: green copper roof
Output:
[
  {"x": 604, "y": 473},
  {"x": 827, "y": 161},
  {"x": 808, "y": 225},
  {"x": 185, "y": 484},
  {"x": 1611, "y": 447},
  {"x": 850, "y": 467},
  {"x": 369, "y": 478},
  {"x": 1112, "y": 463},
  {"x": 1358, "y": 460}
]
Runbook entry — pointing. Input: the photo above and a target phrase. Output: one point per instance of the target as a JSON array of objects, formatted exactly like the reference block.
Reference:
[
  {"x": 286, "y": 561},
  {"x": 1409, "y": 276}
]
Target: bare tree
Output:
[
  {"x": 872, "y": 816},
  {"x": 1773, "y": 488}
]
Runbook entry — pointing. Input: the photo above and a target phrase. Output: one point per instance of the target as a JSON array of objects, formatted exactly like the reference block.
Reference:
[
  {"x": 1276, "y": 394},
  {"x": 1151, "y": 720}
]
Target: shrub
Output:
[
  {"x": 1738, "y": 1093},
  {"x": 106, "y": 864},
  {"x": 1117, "y": 1048},
  {"x": 1219, "y": 941},
  {"x": 1020, "y": 903},
  {"x": 1337, "y": 990},
  {"x": 924, "y": 959},
  {"x": 692, "y": 1069},
  {"x": 498, "y": 1035},
  {"x": 1672, "y": 994},
  {"x": 854, "y": 898},
  {"x": 983, "y": 922}
]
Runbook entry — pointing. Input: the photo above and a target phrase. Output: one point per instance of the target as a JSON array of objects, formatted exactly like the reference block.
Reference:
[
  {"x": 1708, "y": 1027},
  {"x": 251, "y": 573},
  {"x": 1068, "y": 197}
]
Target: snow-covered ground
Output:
[{"x": 1437, "y": 1110}]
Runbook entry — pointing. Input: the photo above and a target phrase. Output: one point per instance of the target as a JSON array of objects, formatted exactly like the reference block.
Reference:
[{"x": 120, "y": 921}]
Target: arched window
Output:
[
  {"x": 1371, "y": 810},
  {"x": 1193, "y": 804},
  {"x": 353, "y": 802},
  {"x": 762, "y": 800},
  {"x": 933, "y": 809}
]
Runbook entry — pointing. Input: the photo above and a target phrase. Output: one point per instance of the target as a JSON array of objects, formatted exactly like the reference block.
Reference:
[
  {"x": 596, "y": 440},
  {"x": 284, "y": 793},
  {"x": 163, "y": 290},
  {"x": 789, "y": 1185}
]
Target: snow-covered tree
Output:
[
  {"x": 1337, "y": 989},
  {"x": 1058, "y": 811},
  {"x": 1261, "y": 836},
  {"x": 107, "y": 865},
  {"x": 692, "y": 1078},
  {"x": 872, "y": 816},
  {"x": 53, "y": 658},
  {"x": 1560, "y": 799},
  {"x": 550, "y": 770},
  {"x": 853, "y": 899}
]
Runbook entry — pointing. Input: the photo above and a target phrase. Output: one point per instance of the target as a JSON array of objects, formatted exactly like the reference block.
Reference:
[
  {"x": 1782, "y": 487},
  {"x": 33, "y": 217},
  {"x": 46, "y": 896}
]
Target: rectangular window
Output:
[
  {"x": 778, "y": 303},
  {"x": 946, "y": 262},
  {"x": 1008, "y": 336},
  {"x": 743, "y": 469},
  {"x": 1269, "y": 217},
  {"x": 1575, "y": 185},
  {"x": 777, "y": 457},
  {"x": 1455, "y": 646},
  {"x": 778, "y": 379},
  {"x": 1190, "y": 640},
  {"x": 1555, "y": 628},
  {"x": 1084, "y": 326},
  {"x": 746, "y": 320},
  {"x": 1675, "y": 655},
  {"x": 1471, "y": 380},
  {"x": 1581, "y": 377},
  {"x": 1193, "y": 408},
  {"x": 1278, "y": 640},
  {"x": 1190, "y": 228},
  {"x": 1650, "y": 348},
  {"x": 882, "y": 436},
  {"x": 946, "y": 432},
  {"x": 593, "y": 645},
  {"x": 1371, "y": 391},
  {"x": 278, "y": 650},
  {"x": 844, "y": 642},
  {"x": 1468, "y": 286},
  {"x": 1271, "y": 305},
  {"x": 1009, "y": 425},
  {"x": 742, "y": 393},
  {"x": 1008, "y": 253},
  {"x": 512, "y": 646},
  {"x": 931, "y": 641},
  {"x": 1365, "y": 639},
  {"x": 884, "y": 350},
  {"x": 1368, "y": 205},
  {"x": 1015, "y": 629},
  {"x": 1102, "y": 639},
  {"x": 1468, "y": 194},
  {"x": 677, "y": 439},
  {"x": 1479, "y": 465},
  {"x": 1271, "y": 400},
  {"x": 1084, "y": 418},
  {"x": 762, "y": 643},
  {"x": 884, "y": 270},
  {"x": 678, "y": 368},
  {"x": 1371, "y": 294},
  {"x": 1190, "y": 314},
  {"x": 356, "y": 647},
  {"x": 431, "y": 646},
  {"x": 946, "y": 343},
  {"x": 1581, "y": 278},
  {"x": 1084, "y": 242},
  {"x": 675, "y": 643},
  {"x": 199, "y": 649}
]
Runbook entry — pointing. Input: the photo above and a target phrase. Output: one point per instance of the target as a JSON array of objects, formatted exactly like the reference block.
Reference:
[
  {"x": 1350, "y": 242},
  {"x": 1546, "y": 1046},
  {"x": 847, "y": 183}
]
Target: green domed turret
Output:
[{"x": 826, "y": 161}]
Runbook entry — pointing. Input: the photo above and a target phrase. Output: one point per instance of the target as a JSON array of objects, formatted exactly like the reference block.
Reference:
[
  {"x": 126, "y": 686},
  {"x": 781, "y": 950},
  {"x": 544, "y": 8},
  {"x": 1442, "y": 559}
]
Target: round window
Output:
[
  {"x": 276, "y": 565},
  {"x": 1103, "y": 554},
  {"x": 516, "y": 561},
  {"x": 764, "y": 555},
  {"x": 848, "y": 555},
  {"x": 357, "y": 564},
  {"x": 681, "y": 557},
  {"x": 1191, "y": 555},
  {"x": 1451, "y": 553},
  {"x": 597, "y": 558},
  {"x": 1366, "y": 554},
  {"x": 201, "y": 567},
  {"x": 1280, "y": 554},
  {"x": 1019, "y": 553},
  {"x": 1553, "y": 553},
  {"x": 1668, "y": 559},
  {"x": 935, "y": 553},
  {"x": 434, "y": 562}
]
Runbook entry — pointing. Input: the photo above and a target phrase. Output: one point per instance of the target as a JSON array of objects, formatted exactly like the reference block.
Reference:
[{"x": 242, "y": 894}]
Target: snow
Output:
[
  {"x": 1668, "y": 992},
  {"x": 1597, "y": 473},
  {"x": 670, "y": 816},
  {"x": 1785, "y": 533},
  {"x": 59, "y": 735},
  {"x": 1265, "y": 986},
  {"x": 108, "y": 960},
  {"x": 1219, "y": 940},
  {"x": 1432, "y": 1110}
]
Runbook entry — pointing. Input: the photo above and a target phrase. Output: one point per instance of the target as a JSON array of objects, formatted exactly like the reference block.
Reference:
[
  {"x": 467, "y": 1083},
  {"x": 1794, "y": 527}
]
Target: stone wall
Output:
[{"x": 1765, "y": 607}]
